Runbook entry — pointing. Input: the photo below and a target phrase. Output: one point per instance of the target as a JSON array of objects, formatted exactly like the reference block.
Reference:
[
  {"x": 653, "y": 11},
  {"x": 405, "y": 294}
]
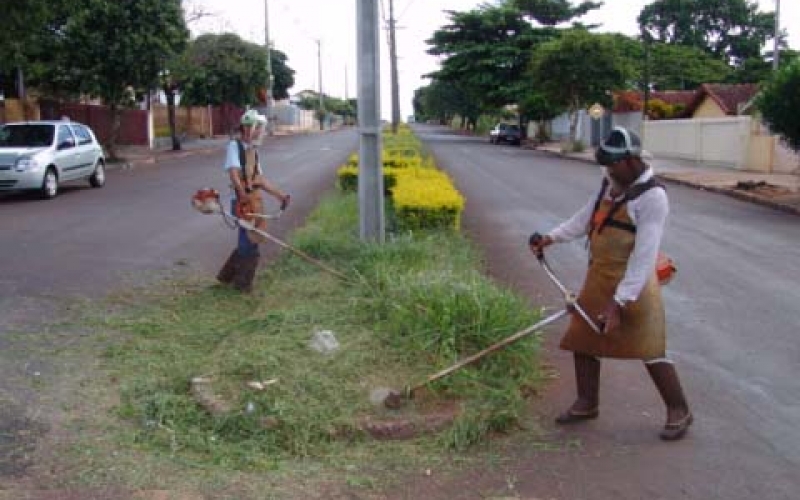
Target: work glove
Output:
[
  {"x": 538, "y": 242},
  {"x": 285, "y": 201}
]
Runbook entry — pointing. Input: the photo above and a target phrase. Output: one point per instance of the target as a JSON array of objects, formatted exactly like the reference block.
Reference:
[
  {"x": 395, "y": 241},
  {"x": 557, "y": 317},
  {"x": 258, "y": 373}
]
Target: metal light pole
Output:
[
  {"x": 370, "y": 172},
  {"x": 321, "y": 96},
  {"x": 646, "y": 101},
  {"x": 393, "y": 62},
  {"x": 776, "y": 56},
  {"x": 270, "y": 78}
]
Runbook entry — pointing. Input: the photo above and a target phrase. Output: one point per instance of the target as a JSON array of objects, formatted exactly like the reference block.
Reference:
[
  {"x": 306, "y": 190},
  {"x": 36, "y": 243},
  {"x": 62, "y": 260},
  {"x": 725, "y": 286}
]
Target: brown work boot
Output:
[
  {"x": 679, "y": 417},
  {"x": 228, "y": 271},
  {"x": 587, "y": 378},
  {"x": 245, "y": 272}
]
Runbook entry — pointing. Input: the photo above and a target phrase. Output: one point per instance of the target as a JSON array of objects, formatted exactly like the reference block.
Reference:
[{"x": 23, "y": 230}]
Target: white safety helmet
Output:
[
  {"x": 252, "y": 117},
  {"x": 620, "y": 144}
]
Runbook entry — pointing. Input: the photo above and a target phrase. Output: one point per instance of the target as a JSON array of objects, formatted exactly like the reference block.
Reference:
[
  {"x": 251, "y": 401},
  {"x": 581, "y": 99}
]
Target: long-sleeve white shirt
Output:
[{"x": 648, "y": 213}]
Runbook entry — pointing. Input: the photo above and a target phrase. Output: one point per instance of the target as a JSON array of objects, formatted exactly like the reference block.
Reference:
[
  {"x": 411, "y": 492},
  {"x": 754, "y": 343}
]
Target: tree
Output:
[
  {"x": 733, "y": 31},
  {"x": 579, "y": 69},
  {"x": 675, "y": 67},
  {"x": 553, "y": 12},
  {"x": 225, "y": 68},
  {"x": 111, "y": 48},
  {"x": 671, "y": 67},
  {"x": 486, "y": 53},
  {"x": 348, "y": 109},
  {"x": 443, "y": 101},
  {"x": 779, "y": 102},
  {"x": 536, "y": 106},
  {"x": 29, "y": 41}
]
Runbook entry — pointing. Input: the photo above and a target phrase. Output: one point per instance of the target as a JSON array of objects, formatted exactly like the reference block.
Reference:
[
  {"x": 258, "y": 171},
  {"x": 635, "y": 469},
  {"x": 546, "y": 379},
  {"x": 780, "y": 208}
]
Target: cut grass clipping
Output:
[{"x": 417, "y": 304}]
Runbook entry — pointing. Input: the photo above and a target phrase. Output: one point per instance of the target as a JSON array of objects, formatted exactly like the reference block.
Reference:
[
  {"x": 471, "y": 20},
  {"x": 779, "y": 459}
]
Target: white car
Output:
[{"x": 40, "y": 155}]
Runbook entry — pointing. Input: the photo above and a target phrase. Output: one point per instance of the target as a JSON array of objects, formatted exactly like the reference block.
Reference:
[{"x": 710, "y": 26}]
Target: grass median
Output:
[{"x": 412, "y": 307}]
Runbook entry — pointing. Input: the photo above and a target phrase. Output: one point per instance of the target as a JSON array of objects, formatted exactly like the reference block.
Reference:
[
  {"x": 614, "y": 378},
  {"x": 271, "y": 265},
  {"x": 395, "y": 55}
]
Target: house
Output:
[
  {"x": 718, "y": 100},
  {"x": 632, "y": 101}
]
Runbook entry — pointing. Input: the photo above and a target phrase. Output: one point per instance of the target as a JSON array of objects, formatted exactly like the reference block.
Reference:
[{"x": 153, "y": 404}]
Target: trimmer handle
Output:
[{"x": 535, "y": 239}]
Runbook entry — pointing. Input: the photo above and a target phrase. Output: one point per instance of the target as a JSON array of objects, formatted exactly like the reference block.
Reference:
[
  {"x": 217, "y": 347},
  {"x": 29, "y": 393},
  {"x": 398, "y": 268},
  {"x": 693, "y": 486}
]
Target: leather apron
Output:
[
  {"x": 642, "y": 331},
  {"x": 255, "y": 203}
]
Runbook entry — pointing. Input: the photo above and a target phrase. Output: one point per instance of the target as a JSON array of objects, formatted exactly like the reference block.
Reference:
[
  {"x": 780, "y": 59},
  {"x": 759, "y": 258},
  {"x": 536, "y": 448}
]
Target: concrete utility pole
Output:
[
  {"x": 270, "y": 76},
  {"x": 393, "y": 62},
  {"x": 370, "y": 171},
  {"x": 321, "y": 97},
  {"x": 776, "y": 56}
]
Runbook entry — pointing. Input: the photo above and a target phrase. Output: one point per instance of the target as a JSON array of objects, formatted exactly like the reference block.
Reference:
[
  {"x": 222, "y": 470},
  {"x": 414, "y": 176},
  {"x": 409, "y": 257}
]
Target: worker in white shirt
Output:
[{"x": 624, "y": 224}]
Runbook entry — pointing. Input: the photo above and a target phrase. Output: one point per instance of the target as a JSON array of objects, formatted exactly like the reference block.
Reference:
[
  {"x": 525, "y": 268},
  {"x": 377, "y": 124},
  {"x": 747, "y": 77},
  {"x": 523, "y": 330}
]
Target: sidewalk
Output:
[
  {"x": 131, "y": 156},
  {"x": 778, "y": 191}
]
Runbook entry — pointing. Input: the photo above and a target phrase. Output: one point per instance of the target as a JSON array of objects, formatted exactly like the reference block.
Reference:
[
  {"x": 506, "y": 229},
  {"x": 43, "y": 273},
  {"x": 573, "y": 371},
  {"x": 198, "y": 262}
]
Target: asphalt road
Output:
[
  {"x": 89, "y": 241},
  {"x": 732, "y": 330}
]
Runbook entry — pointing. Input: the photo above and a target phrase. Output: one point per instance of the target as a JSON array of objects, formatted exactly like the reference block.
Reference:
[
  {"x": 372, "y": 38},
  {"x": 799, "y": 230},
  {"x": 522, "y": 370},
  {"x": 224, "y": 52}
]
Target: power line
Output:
[
  {"x": 383, "y": 12},
  {"x": 408, "y": 6}
]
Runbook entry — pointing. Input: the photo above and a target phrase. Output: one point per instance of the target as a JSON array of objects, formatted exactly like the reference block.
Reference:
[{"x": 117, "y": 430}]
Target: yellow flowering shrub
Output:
[
  {"x": 426, "y": 199},
  {"x": 423, "y": 197},
  {"x": 348, "y": 178}
]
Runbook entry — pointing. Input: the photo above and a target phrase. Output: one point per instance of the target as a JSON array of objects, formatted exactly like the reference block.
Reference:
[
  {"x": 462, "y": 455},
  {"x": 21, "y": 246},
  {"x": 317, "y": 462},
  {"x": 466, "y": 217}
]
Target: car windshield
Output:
[{"x": 27, "y": 135}]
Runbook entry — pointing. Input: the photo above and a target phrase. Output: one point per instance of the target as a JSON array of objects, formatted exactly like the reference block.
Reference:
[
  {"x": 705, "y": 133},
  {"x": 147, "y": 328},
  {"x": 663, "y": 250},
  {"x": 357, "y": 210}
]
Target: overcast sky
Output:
[{"x": 296, "y": 25}]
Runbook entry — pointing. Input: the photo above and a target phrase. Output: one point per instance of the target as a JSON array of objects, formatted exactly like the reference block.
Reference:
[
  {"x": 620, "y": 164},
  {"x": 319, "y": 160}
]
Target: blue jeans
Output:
[{"x": 244, "y": 246}]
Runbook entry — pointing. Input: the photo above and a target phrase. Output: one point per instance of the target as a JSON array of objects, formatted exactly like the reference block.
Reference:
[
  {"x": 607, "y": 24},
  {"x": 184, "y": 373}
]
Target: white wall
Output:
[
  {"x": 560, "y": 127},
  {"x": 723, "y": 142},
  {"x": 631, "y": 121}
]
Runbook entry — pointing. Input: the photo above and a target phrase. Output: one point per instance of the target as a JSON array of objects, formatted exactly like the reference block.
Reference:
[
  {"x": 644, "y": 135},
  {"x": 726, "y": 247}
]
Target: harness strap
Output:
[
  {"x": 631, "y": 194},
  {"x": 243, "y": 164}
]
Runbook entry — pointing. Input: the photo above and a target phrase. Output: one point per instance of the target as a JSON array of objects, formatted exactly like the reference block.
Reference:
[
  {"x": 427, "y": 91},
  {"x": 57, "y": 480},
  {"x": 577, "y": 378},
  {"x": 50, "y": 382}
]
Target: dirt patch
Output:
[
  {"x": 429, "y": 418},
  {"x": 19, "y": 435}
]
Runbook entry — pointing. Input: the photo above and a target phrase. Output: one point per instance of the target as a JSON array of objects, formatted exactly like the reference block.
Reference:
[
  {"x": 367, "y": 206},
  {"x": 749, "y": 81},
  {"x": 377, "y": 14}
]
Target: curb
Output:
[
  {"x": 734, "y": 194},
  {"x": 157, "y": 157},
  {"x": 713, "y": 189}
]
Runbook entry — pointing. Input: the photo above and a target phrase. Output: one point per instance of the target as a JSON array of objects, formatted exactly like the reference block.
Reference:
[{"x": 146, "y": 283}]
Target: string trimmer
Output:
[
  {"x": 206, "y": 201},
  {"x": 396, "y": 399}
]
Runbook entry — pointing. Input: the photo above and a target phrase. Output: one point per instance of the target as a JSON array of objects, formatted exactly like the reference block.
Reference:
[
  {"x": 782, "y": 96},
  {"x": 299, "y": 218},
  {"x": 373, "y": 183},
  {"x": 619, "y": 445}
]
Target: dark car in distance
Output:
[{"x": 507, "y": 133}]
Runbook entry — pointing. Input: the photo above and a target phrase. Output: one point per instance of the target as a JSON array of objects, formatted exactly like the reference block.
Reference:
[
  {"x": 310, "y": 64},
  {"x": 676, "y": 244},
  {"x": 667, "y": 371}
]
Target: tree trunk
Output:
[
  {"x": 573, "y": 126},
  {"x": 116, "y": 122},
  {"x": 170, "y": 93}
]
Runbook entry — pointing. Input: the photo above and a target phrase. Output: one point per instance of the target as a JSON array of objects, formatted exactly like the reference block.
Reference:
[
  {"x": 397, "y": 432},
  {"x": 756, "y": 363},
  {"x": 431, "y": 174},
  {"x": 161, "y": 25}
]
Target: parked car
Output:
[
  {"x": 505, "y": 132},
  {"x": 40, "y": 155}
]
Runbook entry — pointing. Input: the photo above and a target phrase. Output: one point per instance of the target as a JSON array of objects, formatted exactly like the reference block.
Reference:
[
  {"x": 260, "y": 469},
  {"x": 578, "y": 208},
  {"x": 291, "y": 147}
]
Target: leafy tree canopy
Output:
[
  {"x": 733, "y": 31},
  {"x": 578, "y": 69},
  {"x": 110, "y": 46},
  {"x": 671, "y": 67},
  {"x": 779, "y": 102},
  {"x": 442, "y": 101},
  {"x": 30, "y": 39},
  {"x": 553, "y": 12},
  {"x": 486, "y": 53},
  {"x": 226, "y": 68}
]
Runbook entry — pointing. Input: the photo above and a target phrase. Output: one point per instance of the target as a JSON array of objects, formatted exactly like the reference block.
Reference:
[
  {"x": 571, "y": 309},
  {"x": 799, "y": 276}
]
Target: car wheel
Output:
[
  {"x": 98, "y": 178},
  {"x": 49, "y": 188}
]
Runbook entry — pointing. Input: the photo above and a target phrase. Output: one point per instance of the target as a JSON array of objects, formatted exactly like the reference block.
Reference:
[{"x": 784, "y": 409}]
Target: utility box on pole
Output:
[{"x": 370, "y": 170}]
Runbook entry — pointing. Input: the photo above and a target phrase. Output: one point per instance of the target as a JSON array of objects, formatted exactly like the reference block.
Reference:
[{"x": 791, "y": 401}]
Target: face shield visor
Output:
[
  {"x": 257, "y": 124},
  {"x": 259, "y": 131}
]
